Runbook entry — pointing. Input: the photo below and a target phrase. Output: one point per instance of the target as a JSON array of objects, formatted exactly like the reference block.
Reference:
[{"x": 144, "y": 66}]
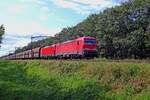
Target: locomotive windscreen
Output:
[{"x": 90, "y": 41}]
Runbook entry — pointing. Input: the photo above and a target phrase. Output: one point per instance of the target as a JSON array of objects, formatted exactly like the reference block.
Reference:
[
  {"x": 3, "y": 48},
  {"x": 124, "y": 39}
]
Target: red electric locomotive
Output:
[
  {"x": 48, "y": 51},
  {"x": 78, "y": 48}
]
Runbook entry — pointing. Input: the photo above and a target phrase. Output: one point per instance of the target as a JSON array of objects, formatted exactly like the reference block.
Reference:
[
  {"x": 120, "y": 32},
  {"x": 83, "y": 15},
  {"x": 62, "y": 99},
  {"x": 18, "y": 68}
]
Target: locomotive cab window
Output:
[
  {"x": 77, "y": 42},
  {"x": 90, "y": 41}
]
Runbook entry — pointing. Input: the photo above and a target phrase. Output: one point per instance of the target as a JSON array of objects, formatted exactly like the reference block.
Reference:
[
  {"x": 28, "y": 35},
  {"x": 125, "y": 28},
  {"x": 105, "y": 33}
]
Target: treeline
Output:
[{"x": 122, "y": 31}]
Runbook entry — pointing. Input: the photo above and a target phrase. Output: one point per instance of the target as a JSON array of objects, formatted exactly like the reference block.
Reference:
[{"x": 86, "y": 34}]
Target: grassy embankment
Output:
[{"x": 51, "y": 80}]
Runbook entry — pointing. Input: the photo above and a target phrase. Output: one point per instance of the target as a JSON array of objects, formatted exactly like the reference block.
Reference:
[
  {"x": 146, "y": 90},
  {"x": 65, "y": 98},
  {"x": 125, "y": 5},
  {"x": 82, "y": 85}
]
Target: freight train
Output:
[{"x": 83, "y": 47}]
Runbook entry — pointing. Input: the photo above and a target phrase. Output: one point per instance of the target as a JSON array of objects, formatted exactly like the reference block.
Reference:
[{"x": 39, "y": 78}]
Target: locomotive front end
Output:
[{"x": 90, "y": 47}]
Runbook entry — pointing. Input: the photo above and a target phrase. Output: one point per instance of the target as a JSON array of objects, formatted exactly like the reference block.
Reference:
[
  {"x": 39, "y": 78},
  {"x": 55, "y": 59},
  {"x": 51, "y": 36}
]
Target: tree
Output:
[{"x": 2, "y": 31}]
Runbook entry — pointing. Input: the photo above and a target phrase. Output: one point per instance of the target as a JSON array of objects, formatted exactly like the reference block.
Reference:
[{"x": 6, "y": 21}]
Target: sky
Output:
[{"x": 25, "y": 18}]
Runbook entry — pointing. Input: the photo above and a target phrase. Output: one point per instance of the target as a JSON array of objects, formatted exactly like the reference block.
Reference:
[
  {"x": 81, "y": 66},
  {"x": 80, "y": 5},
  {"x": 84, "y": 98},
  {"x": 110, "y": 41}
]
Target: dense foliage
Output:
[
  {"x": 122, "y": 31},
  {"x": 101, "y": 80},
  {"x": 2, "y": 31}
]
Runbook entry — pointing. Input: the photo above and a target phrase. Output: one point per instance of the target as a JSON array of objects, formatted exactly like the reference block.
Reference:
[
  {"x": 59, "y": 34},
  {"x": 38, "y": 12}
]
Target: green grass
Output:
[{"x": 64, "y": 80}]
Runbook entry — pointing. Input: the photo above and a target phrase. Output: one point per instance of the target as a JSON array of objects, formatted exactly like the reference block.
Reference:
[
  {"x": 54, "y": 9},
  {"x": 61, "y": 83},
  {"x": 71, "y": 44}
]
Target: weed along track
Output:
[{"x": 88, "y": 60}]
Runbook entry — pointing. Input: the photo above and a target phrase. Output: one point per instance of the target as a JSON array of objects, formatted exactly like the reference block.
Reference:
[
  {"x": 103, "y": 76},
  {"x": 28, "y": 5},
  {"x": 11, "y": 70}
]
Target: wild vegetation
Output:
[
  {"x": 82, "y": 80},
  {"x": 122, "y": 31}
]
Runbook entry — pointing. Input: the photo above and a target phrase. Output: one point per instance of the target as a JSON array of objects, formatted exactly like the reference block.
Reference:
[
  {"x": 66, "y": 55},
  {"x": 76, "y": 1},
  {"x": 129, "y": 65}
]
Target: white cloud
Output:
[
  {"x": 45, "y": 9},
  {"x": 96, "y": 3},
  {"x": 80, "y": 6},
  {"x": 44, "y": 17},
  {"x": 28, "y": 28},
  {"x": 84, "y": 6},
  {"x": 69, "y": 4},
  {"x": 39, "y": 2},
  {"x": 15, "y": 9}
]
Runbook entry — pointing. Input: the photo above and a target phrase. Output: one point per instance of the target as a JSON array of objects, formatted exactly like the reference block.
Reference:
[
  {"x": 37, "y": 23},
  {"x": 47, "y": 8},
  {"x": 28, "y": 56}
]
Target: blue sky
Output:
[{"x": 23, "y": 18}]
